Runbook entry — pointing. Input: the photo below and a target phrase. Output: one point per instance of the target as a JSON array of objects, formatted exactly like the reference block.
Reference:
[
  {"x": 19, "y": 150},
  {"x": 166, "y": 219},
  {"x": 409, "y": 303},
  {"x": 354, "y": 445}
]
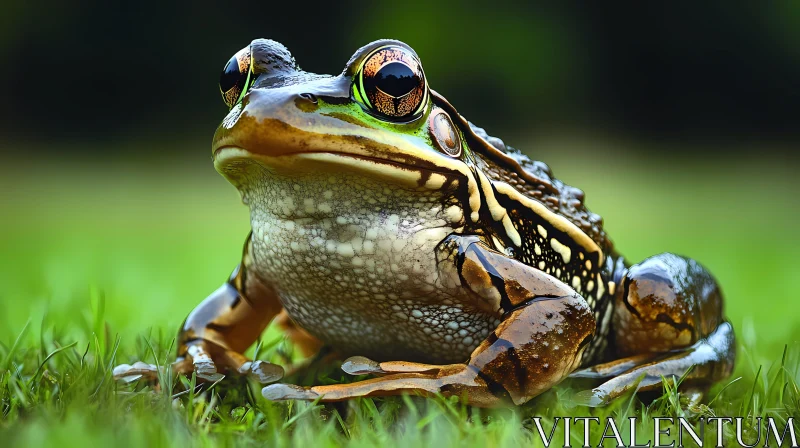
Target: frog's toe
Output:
[
  {"x": 280, "y": 391},
  {"x": 207, "y": 370},
  {"x": 359, "y": 365},
  {"x": 200, "y": 362},
  {"x": 129, "y": 373},
  {"x": 262, "y": 371}
]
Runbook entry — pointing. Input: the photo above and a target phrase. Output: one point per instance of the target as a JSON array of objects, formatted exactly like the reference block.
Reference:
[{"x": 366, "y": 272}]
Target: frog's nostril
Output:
[{"x": 310, "y": 97}]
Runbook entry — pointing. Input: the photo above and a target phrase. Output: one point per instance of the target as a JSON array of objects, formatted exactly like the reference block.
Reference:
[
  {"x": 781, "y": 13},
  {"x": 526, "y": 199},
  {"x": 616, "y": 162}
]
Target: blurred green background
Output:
[{"x": 679, "y": 122}]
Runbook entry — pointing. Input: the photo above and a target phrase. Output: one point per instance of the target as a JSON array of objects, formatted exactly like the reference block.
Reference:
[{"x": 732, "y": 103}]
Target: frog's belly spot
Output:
[{"x": 354, "y": 263}]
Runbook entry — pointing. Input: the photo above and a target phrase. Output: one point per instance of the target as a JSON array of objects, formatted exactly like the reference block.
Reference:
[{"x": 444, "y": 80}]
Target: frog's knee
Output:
[{"x": 666, "y": 302}]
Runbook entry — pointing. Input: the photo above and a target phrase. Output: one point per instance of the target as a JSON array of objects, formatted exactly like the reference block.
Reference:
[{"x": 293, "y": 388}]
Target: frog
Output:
[{"x": 436, "y": 259}]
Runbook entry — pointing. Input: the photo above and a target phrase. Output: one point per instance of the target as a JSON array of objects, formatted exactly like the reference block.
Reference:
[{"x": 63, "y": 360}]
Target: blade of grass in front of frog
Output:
[
  {"x": 42, "y": 345},
  {"x": 15, "y": 346},
  {"x": 342, "y": 425},
  {"x": 314, "y": 405},
  {"x": 50, "y": 356},
  {"x": 188, "y": 388},
  {"x": 412, "y": 408},
  {"x": 626, "y": 410},
  {"x": 719, "y": 394},
  {"x": 257, "y": 349},
  {"x": 273, "y": 343},
  {"x": 98, "y": 307},
  {"x": 102, "y": 368},
  {"x": 250, "y": 395},
  {"x": 85, "y": 352},
  {"x": 780, "y": 376},
  {"x": 165, "y": 378},
  {"x": 746, "y": 406},
  {"x": 432, "y": 413},
  {"x": 368, "y": 404},
  {"x": 191, "y": 388},
  {"x": 204, "y": 419},
  {"x": 168, "y": 352}
]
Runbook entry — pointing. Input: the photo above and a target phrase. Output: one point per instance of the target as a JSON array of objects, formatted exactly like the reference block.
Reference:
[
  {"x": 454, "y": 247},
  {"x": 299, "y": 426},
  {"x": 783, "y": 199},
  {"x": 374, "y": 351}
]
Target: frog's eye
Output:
[
  {"x": 391, "y": 83},
  {"x": 235, "y": 78}
]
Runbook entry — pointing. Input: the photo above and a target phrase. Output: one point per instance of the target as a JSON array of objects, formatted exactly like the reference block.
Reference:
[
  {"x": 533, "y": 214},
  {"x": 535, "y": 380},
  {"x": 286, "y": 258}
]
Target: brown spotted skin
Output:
[
  {"x": 535, "y": 347},
  {"x": 666, "y": 302},
  {"x": 409, "y": 235},
  {"x": 667, "y": 322}
]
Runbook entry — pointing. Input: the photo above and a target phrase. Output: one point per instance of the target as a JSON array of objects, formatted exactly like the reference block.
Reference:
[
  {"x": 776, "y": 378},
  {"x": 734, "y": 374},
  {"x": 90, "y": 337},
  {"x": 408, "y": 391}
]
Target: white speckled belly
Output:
[{"x": 354, "y": 262}]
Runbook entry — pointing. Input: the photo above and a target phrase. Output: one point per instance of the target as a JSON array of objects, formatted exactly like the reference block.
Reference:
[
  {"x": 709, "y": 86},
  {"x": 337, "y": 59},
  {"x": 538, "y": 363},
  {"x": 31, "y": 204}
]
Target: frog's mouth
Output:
[{"x": 230, "y": 161}]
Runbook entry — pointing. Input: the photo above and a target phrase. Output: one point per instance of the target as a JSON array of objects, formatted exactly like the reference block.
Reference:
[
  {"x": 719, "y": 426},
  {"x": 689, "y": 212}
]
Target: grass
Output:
[{"x": 102, "y": 260}]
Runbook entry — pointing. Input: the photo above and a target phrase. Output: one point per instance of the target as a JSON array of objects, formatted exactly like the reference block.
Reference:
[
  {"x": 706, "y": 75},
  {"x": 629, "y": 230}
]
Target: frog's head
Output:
[
  {"x": 378, "y": 118},
  {"x": 389, "y": 144}
]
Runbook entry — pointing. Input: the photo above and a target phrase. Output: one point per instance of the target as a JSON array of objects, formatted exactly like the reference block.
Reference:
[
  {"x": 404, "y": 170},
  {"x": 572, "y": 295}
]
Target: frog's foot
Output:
[
  {"x": 614, "y": 368},
  {"x": 431, "y": 382},
  {"x": 668, "y": 321},
  {"x": 209, "y": 362},
  {"x": 461, "y": 378},
  {"x": 139, "y": 370},
  {"x": 698, "y": 366}
]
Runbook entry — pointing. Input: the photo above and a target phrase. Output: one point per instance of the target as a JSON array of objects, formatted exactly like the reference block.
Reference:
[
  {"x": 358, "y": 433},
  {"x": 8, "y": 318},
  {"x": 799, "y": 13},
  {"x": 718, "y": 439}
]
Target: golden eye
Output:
[
  {"x": 235, "y": 77},
  {"x": 392, "y": 83}
]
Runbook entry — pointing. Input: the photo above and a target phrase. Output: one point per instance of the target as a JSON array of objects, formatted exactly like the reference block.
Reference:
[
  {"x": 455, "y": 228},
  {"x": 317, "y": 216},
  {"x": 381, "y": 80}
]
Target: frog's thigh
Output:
[
  {"x": 538, "y": 343},
  {"x": 668, "y": 319}
]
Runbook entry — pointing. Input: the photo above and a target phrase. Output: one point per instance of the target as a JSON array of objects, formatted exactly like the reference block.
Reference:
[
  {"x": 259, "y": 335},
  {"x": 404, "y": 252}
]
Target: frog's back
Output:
[{"x": 535, "y": 180}]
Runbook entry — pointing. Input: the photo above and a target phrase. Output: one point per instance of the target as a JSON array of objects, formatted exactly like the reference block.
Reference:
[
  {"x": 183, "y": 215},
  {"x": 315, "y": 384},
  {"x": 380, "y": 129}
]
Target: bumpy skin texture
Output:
[
  {"x": 361, "y": 279},
  {"x": 434, "y": 255}
]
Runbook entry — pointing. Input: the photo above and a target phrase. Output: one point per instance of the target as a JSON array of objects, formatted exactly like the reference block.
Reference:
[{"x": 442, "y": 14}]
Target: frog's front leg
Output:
[
  {"x": 667, "y": 324},
  {"x": 216, "y": 333},
  {"x": 540, "y": 340}
]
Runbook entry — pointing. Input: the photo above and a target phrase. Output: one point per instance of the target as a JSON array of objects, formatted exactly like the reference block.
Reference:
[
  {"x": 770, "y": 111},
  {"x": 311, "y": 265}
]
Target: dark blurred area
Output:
[{"x": 105, "y": 72}]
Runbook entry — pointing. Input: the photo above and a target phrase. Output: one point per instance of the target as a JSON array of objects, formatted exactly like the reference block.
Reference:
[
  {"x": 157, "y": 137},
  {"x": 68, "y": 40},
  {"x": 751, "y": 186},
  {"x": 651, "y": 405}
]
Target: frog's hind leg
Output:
[
  {"x": 708, "y": 360},
  {"x": 539, "y": 341},
  {"x": 668, "y": 324}
]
